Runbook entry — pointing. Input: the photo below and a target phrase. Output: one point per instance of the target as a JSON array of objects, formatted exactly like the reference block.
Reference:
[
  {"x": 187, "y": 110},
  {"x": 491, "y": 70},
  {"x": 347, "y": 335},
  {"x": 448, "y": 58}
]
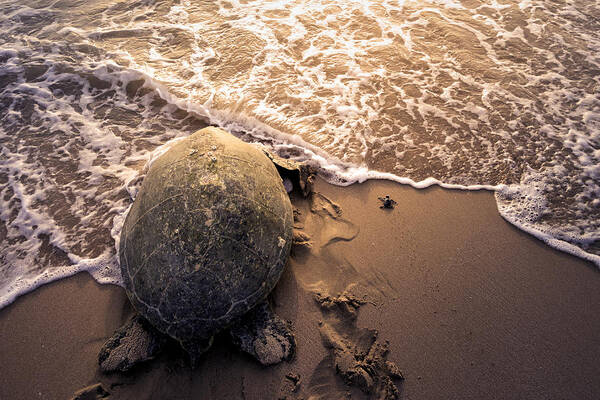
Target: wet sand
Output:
[{"x": 472, "y": 309}]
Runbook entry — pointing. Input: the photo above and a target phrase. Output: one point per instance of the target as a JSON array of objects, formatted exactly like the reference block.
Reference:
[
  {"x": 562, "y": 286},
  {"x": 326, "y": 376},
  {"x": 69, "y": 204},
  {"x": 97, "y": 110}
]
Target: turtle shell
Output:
[{"x": 207, "y": 236}]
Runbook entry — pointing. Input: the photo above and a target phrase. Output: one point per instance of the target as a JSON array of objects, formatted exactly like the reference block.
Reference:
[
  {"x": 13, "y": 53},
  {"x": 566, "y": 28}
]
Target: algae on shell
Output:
[{"x": 207, "y": 237}]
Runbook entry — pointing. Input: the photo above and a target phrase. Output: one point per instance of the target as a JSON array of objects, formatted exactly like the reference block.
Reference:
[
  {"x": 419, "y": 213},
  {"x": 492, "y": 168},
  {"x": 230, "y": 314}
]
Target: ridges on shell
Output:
[{"x": 207, "y": 237}]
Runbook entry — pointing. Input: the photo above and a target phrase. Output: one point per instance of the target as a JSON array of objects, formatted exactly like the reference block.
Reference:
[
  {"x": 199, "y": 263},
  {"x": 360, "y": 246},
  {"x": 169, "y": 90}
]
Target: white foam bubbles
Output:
[{"x": 500, "y": 97}]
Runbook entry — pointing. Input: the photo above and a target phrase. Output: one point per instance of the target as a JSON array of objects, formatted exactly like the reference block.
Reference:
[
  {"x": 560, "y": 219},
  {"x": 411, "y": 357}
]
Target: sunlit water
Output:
[{"x": 503, "y": 95}]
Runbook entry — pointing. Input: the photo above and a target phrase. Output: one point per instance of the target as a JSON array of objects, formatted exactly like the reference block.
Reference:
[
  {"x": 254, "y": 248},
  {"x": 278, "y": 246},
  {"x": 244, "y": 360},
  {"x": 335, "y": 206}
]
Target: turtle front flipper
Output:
[
  {"x": 299, "y": 175},
  {"x": 264, "y": 335}
]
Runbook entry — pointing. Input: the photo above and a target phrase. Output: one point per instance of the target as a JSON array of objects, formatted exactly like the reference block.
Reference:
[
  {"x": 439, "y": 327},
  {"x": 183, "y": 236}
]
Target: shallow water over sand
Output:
[{"x": 503, "y": 94}]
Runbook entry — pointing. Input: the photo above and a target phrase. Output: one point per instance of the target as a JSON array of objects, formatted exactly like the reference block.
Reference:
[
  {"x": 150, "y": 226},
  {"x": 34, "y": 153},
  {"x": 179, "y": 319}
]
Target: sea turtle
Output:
[
  {"x": 387, "y": 202},
  {"x": 202, "y": 246}
]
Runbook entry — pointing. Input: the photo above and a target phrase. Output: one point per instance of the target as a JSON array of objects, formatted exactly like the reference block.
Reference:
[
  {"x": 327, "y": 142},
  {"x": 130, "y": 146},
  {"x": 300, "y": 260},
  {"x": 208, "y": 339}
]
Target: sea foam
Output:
[{"x": 495, "y": 96}]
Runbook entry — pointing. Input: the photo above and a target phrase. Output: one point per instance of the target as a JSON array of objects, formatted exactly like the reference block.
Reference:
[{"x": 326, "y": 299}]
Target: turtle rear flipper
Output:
[
  {"x": 264, "y": 335},
  {"x": 135, "y": 342}
]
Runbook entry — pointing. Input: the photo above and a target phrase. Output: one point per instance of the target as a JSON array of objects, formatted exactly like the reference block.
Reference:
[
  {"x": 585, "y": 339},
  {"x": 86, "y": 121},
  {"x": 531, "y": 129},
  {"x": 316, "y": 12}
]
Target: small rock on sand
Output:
[
  {"x": 295, "y": 380},
  {"x": 93, "y": 392}
]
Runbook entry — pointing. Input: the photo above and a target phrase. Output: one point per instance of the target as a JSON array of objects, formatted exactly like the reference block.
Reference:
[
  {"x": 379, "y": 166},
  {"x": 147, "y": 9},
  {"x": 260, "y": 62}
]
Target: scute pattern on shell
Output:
[{"x": 207, "y": 237}]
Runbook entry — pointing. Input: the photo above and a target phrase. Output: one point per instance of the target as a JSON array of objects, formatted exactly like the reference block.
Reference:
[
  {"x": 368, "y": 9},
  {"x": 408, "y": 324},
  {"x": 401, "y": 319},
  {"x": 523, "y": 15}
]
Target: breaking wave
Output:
[{"x": 470, "y": 94}]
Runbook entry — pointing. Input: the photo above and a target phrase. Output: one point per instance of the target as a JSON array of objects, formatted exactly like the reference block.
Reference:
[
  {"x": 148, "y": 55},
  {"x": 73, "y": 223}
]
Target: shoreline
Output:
[{"x": 472, "y": 307}]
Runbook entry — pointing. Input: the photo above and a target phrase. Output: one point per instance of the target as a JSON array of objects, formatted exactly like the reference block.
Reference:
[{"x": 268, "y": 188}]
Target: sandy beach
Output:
[
  {"x": 472, "y": 308},
  {"x": 444, "y": 296}
]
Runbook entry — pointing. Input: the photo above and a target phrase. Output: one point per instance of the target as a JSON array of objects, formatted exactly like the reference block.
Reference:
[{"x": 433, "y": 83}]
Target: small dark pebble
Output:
[
  {"x": 93, "y": 392},
  {"x": 295, "y": 379}
]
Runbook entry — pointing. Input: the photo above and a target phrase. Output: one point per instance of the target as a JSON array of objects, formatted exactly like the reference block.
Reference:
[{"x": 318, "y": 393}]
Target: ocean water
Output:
[{"x": 498, "y": 95}]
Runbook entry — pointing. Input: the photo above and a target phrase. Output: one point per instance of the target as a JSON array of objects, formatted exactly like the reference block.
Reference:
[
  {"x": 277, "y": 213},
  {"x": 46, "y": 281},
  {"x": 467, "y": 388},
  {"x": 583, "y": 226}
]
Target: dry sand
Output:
[{"x": 472, "y": 309}]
